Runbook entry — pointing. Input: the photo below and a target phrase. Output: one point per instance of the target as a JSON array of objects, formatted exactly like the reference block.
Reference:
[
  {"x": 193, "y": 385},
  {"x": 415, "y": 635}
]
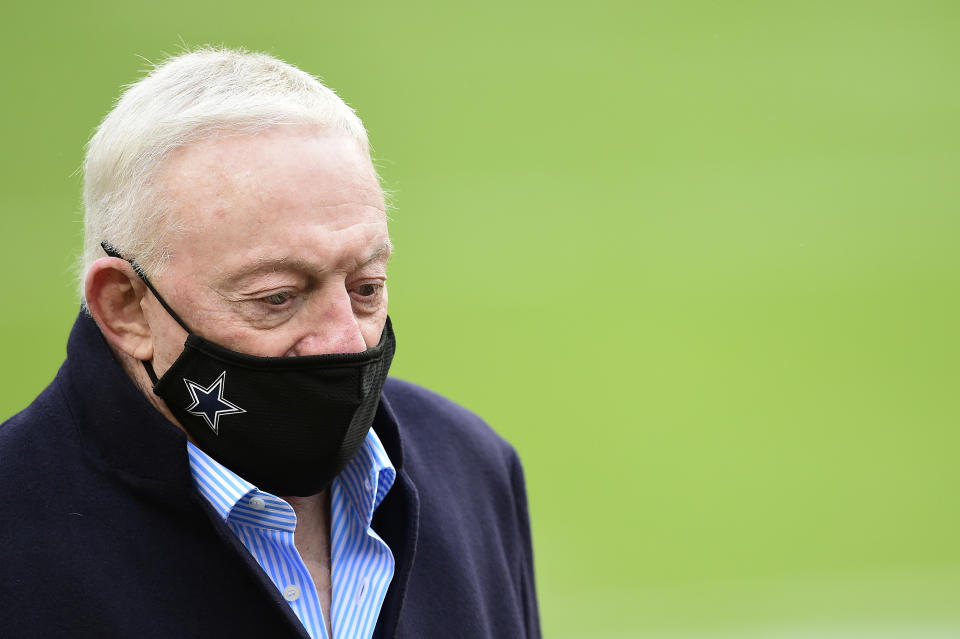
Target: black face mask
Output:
[{"x": 288, "y": 425}]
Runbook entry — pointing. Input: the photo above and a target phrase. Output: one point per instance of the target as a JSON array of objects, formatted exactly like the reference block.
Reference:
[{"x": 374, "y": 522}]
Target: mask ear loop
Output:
[{"x": 112, "y": 252}]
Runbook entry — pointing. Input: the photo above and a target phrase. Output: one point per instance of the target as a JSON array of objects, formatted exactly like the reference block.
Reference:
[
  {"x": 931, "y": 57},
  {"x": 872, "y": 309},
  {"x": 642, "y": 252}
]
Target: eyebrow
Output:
[
  {"x": 383, "y": 252},
  {"x": 271, "y": 264}
]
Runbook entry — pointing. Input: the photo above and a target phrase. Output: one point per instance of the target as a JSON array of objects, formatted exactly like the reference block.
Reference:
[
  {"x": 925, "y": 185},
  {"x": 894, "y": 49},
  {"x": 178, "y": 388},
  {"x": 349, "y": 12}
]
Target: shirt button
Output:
[
  {"x": 291, "y": 593},
  {"x": 257, "y": 503},
  {"x": 367, "y": 484},
  {"x": 362, "y": 590}
]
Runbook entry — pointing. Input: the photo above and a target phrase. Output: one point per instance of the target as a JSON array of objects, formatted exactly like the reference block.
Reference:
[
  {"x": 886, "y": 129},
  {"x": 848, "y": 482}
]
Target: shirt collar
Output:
[
  {"x": 365, "y": 482},
  {"x": 367, "y": 478}
]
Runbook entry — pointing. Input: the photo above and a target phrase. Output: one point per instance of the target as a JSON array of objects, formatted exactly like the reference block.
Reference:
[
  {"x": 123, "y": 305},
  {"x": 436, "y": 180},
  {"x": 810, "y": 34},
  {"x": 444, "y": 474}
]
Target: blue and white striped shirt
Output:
[{"x": 361, "y": 564}]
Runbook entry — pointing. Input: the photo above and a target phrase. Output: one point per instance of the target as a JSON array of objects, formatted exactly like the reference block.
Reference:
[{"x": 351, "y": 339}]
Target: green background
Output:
[{"x": 696, "y": 260}]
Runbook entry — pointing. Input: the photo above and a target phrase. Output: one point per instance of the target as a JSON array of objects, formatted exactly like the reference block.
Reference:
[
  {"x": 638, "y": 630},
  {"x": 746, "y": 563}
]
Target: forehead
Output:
[
  {"x": 285, "y": 193},
  {"x": 273, "y": 162}
]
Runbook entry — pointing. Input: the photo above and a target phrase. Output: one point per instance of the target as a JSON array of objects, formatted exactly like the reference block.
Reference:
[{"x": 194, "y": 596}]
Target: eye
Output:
[
  {"x": 368, "y": 290},
  {"x": 368, "y": 294},
  {"x": 277, "y": 299}
]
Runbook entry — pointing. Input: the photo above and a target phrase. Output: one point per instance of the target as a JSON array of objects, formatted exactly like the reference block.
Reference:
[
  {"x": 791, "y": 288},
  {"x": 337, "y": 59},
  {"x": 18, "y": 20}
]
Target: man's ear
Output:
[{"x": 113, "y": 291}]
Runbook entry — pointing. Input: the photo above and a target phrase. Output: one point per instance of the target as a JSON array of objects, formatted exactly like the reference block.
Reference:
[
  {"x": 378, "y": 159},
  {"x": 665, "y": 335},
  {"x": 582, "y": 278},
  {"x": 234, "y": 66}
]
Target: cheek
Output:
[
  {"x": 167, "y": 337},
  {"x": 167, "y": 348},
  {"x": 372, "y": 327}
]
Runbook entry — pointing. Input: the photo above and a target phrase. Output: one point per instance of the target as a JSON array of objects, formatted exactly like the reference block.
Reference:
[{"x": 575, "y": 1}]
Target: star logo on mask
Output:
[{"x": 209, "y": 403}]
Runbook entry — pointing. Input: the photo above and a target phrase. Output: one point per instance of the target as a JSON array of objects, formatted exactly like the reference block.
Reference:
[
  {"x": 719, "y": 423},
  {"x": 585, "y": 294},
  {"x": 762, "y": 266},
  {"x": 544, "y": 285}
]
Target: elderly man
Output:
[{"x": 222, "y": 454}]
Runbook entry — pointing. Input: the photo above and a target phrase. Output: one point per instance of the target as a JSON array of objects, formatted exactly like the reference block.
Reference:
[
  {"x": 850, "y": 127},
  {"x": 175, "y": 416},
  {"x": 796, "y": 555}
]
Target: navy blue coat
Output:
[{"x": 102, "y": 533}]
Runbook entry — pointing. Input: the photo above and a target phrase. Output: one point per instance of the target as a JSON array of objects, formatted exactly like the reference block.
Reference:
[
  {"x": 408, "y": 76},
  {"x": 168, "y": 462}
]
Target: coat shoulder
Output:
[
  {"x": 33, "y": 433},
  {"x": 431, "y": 420},
  {"x": 477, "y": 562}
]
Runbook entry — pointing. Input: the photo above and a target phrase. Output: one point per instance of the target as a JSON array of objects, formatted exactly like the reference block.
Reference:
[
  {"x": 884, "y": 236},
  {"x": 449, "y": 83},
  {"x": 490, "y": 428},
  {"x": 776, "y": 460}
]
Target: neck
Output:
[{"x": 312, "y": 538}]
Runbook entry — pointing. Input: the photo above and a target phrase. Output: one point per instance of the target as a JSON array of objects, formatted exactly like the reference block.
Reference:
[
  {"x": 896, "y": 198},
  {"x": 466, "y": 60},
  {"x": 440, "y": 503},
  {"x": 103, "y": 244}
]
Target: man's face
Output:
[{"x": 283, "y": 247}]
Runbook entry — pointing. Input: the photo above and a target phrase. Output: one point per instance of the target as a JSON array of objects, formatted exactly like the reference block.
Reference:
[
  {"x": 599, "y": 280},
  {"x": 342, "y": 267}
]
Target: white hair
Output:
[{"x": 188, "y": 98}]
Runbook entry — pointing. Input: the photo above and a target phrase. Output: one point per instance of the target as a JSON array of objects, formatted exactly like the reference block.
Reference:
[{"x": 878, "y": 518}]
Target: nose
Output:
[{"x": 332, "y": 328}]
